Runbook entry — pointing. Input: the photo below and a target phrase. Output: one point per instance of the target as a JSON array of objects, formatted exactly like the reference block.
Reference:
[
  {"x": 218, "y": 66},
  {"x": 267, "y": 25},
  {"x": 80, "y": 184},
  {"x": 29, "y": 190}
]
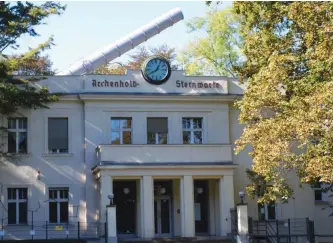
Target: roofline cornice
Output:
[
  {"x": 148, "y": 97},
  {"x": 99, "y": 168}
]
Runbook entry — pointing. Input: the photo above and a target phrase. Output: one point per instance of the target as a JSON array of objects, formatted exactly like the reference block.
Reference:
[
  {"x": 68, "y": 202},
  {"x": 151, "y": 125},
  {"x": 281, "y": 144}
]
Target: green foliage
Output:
[
  {"x": 19, "y": 19},
  {"x": 219, "y": 52},
  {"x": 137, "y": 59},
  {"x": 32, "y": 63},
  {"x": 288, "y": 103}
]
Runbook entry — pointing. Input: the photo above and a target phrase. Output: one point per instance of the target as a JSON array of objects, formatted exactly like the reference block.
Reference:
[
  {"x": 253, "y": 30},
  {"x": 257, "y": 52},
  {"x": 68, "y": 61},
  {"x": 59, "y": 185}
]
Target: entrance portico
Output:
[{"x": 168, "y": 200}]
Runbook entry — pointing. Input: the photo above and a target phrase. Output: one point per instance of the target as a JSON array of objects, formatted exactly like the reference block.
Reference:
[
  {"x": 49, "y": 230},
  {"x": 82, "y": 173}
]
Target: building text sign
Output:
[
  {"x": 198, "y": 85},
  {"x": 115, "y": 84},
  {"x": 133, "y": 82}
]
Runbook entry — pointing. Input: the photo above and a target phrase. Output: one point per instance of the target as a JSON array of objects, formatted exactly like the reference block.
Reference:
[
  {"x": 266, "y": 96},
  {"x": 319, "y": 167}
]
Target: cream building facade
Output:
[{"x": 164, "y": 151}]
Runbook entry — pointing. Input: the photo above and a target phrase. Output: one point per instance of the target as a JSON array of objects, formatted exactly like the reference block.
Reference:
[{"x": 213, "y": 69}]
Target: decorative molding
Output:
[
  {"x": 57, "y": 154},
  {"x": 163, "y": 97}
]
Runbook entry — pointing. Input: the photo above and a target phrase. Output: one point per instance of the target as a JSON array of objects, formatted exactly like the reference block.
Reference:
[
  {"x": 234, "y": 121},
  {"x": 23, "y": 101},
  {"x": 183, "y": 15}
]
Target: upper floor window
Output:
[
  {"x": 121, "y": 130},
  {"x": 58, "y": 205},
  {"x": 318, "y": 192},
  {"x": 17, "y": 205},
  {"x": 192, "y": 130},
  {"x": 17, "y": 135},
  {"x": 58, "y": 135},
  {"x": 157, "y": 130}
]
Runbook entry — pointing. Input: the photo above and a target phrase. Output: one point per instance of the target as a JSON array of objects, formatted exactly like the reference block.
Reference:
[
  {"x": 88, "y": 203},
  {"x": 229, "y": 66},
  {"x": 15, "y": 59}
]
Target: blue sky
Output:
[{"x": 86, "y": 27}]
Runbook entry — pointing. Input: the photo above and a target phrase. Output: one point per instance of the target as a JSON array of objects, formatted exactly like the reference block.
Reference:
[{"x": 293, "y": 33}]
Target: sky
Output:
[{"x": 86, "y": 27}]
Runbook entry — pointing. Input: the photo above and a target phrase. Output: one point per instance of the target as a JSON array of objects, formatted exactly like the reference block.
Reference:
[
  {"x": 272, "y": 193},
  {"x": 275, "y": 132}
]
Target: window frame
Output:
[
  {"x": 121, "y": 130},
  {"x": 318, "y": 188},
  {"x": 17, "y": 132},
  {"x": 265, "y": 206},
  {"x": 68, "y": 134},
  {"x": 58, "y": 200},
  {"x": 157, "y": 139},
  {"x": 156, "y": 134},
  {"x": 192, "y": 130},
  {"x": 17, "y": 202}
]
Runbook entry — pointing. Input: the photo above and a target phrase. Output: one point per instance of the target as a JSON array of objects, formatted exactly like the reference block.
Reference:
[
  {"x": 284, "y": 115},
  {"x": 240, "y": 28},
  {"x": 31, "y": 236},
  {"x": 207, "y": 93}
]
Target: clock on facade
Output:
[{"x": 156, "y": 70}]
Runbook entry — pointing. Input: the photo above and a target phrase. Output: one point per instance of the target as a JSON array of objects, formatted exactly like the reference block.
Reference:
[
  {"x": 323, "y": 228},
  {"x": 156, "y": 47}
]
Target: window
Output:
[
  {"x": 266, "y": 211},
  {"x": 157, "y": 130},
  {"x": 192, "y": 130},
  {"x": 121, "y": 130},
  {"x": 58, "y": 135},
  {"x": 17, "y": 135},
  {"x": 17, "y": 205},
  {"x": 318, "y": 193},
  {"x": 58, "y": 205}
]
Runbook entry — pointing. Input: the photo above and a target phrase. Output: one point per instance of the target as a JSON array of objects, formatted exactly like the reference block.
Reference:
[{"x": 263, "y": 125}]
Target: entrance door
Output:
[
  {"x": 125, "y": 199},
  {"x": 162, "y": 212},
  {"x": 201, "y": 203}
]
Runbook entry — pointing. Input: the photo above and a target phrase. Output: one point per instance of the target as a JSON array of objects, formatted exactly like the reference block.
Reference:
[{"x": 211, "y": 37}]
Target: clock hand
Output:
[{"x": 154, "y": 70}]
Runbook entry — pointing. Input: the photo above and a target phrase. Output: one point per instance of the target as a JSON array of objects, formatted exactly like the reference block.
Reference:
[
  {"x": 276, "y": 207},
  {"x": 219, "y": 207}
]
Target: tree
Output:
[
  {"x": 16, "y": 20},
  {"x": 219, "y": 51},
  {"x": 288, "y": 103},
  {"x": 141, "y": 53},
  {"x": 112, "y": 68},
  {"x": 29, "y": 66}
]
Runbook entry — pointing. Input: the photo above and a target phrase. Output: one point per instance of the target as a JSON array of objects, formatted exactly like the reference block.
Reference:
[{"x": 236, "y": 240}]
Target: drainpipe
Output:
[{"x": 84, "y": 146}]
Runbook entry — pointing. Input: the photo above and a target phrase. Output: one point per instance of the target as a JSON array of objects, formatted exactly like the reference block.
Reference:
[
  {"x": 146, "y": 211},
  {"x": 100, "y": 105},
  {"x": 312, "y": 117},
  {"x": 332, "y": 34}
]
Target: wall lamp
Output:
[
  {"x": 111, "y": 197},
  {"x": 241, "y": 195}
]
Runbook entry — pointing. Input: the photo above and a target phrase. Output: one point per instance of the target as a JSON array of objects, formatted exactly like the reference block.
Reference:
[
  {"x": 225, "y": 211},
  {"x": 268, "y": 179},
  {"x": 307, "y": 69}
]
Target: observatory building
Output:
[{"x": 156, "y": 142}]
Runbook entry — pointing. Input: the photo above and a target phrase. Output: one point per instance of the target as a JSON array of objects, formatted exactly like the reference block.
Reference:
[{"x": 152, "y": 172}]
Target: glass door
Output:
[{"x": 162, "y": 212}]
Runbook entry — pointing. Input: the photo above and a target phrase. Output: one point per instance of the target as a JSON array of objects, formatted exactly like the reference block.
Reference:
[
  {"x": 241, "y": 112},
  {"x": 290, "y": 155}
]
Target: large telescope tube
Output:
[{"x": 125, "y": 44}]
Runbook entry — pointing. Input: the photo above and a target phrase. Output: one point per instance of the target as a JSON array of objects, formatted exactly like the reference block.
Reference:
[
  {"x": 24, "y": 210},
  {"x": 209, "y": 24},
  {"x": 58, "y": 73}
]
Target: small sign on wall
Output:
[{"x": 58, "y": 227}]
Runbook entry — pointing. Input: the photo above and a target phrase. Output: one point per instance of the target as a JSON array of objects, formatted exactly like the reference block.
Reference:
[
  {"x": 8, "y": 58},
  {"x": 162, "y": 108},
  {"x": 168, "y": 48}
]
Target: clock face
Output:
[{"x": 156, "y": 70}]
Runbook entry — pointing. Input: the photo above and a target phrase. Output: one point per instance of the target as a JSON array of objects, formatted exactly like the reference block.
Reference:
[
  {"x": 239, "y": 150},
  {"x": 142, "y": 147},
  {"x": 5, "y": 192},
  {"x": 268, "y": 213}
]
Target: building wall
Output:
[
  {"x": 97, "y": 120},
  {"x": 66, "y": 170},
  {"x": 89, "y": 126}
]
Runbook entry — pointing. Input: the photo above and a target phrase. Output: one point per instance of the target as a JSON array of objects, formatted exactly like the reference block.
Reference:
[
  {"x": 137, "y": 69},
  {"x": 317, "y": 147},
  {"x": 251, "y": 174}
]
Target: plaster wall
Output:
[
  {"x": 56, "y": 170},
  {"x": 89, "y": 109}
]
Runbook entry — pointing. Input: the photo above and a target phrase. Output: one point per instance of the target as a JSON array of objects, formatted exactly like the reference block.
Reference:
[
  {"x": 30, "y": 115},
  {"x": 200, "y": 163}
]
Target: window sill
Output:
[
  {"x": 18, "y": 155},
  {"x": 320, "y": 202},
  {"x": 60, "y": 224},
  {"x": 57, "y": 154},
  {"x": 16, "y": 225}
]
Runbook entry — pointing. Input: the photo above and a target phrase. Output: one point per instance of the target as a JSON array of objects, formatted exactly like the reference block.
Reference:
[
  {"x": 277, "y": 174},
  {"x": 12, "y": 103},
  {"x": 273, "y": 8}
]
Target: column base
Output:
[
  {"x": 242, "y": 239},
  {"x": 113, "y": 239}
]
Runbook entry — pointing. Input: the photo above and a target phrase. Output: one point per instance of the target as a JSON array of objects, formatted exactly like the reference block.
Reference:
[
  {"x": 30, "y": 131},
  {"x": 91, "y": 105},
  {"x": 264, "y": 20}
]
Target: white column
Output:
[
  {"x": 226, "y": 196},
  {"x": 187, "y": 207},
  {"x": 147, "y": 207},
  {"x": 106, "y": 189}
]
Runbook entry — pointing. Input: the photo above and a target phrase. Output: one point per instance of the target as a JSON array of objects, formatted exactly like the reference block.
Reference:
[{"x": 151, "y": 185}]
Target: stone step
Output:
[{"x": 175, "y": 240}]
